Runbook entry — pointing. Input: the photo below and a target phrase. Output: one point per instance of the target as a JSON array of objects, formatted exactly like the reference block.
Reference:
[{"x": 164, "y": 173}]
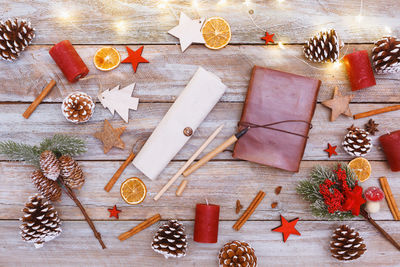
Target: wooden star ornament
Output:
[
  {"x": 339, "y": 104},
  {"x": 114, "y": 212},
  {"x": 287, "y": 228},
  {"x": 135, "y": 57},
  {"x": 110, "y": 137},
  {"x": 331, "y": 150},
  {"x": 268, "y": 38}
]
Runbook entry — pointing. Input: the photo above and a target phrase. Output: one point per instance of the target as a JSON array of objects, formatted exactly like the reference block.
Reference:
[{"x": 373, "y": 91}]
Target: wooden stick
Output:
[
  {"x": 246, "y": 215},
  {"x": 147, "y": 223},
  {"x": 72, "y": 195},
  {"x": 389, "y": 198},
  {"x": 39, "y": 99},
  {"x": 118, "y": 173},
  {"x": 365, "y": 214},
  {"x": 376, "y": 111},
  {"x": 187, "y": 164},
  {"x": 181, "y": 187}
]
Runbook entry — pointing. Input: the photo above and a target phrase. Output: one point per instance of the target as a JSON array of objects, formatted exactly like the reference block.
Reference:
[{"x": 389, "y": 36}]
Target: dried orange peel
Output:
[
  {"x": 361, "y": 167},
  {"x": 107, "y": 58},
  {"x": 216, "y": 33},
  {"x": 133, "y": 191}
]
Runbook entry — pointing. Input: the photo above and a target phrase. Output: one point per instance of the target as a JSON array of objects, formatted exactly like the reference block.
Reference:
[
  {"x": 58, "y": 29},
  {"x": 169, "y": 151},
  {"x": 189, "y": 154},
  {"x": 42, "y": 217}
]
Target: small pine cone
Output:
[
  {"x": 346, "y": 244},
  {"x": 48, "y": 188},
  {"x": 386, "y": 55},
  {"x": 50, "y": 165},
  {"x": 324, "y": 47},
  {"x": 237, "y": 254},
  {"x": 78, "y": 107},
  {"x": 40, "y": 222},
  {"x": 71, "y": 172},
  {"x": 170, "y": 240},
  {"x": 357, "y": 142},
  {"x": 15, "y": 36}
]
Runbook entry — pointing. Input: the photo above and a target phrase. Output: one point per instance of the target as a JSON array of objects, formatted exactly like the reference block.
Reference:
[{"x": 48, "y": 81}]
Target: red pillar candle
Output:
[
  {"x": 68, "y": 60},
  {"x": 391, "y": 146},
  {"x": 206, "y": 223},
  {"x": 359, "y": 70}
]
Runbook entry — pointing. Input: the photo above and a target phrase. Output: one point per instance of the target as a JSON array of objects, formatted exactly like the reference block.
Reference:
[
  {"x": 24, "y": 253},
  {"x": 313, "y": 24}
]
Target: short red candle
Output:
[
  {"x": 391, "y": 146},
  {"x": 206, "y": 223},
  {"x": 68, "y": 60},
  {"x": 359, "y": 70}
]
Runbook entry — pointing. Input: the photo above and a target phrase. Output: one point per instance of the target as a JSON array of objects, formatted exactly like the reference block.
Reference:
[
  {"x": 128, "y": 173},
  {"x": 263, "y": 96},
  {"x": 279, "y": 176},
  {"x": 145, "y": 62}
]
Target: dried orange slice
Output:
[
  {"x": 133, "y": 191},
  {"x": 216, "y": 33},
  {"x": 107, "y": 58},
  {"x": 361, "y": 167}
]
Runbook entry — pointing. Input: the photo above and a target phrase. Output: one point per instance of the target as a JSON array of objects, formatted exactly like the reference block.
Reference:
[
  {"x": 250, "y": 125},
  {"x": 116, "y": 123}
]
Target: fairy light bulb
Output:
[
  {"x": 388, "y": 29},
  {"x": 247, "y": 2},
  {"x": 281, "y": 1},
  {"x": 120, "y": 26},
  {"x": 163, "y": 4},
  {"x": 64, "y": 14},
  {"x": 195, "y": 4},
  {"x": 336, "y": 64},
  {"x": 222, "y": 2},
  {"x": 281, "y": 46}
]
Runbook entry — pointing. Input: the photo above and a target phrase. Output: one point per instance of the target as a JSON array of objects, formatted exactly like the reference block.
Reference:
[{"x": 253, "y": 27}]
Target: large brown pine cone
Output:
[
  {"x": 40, "y": 222},
  {"x": 324, "y": 47},
  {"x": 71, "y": 172},
  {"x": 48, "y": 188},
  {"x": 50, "y": 165},
  {"x": 386, "y": 55},
  {"x": 357, "y": 142},
  {"x": 15, "y": 36},
  {"x": 347, "y": 244},
  {"x": 78, "y": 107},
  {"x": 237, "y": 254},
  {"x": 170, "y": 240}
]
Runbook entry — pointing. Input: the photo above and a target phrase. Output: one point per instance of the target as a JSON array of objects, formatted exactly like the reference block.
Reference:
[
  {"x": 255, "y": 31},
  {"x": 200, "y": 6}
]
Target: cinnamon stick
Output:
[
  {"x": 138, "y": 228},
  {"x": 118, "y": 173},
  {"x": 39, "y": 99},
  {"x": 389, "y": 198},
  {"x": 246, "y": 215},
  {"x": 376, "y": 111},
  {"x": 72, "y": 195}
]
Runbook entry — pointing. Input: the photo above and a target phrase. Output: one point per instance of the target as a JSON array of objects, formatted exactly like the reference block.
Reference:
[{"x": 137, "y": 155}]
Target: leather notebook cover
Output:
[{"x": 276, "y": 96}]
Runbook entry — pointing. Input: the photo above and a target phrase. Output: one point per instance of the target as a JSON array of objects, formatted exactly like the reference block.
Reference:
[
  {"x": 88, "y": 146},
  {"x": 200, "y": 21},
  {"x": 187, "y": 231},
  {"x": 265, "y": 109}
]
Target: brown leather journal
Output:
[{"x": 284, "y": 104}]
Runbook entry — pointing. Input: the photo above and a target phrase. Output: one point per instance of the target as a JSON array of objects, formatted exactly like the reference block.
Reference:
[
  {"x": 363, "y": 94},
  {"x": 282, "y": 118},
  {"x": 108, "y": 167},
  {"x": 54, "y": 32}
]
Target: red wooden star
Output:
[
  {"x": 354, "y": 200},
  {"x": 268, "y": 38},
  {"x": 114, "y": 212},
  {"x": 331, "y": 150},
  {"x": 287, "y": 228},
  {"x": 135, "y": 57}
]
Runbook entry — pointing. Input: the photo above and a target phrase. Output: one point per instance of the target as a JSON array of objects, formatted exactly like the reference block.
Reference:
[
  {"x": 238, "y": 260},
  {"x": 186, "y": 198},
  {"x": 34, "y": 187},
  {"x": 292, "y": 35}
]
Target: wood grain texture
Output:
[
  {"x": 170, "y": 70},
  {"x": 309, "y": 249},
  {"x": 140, "y": 21}
]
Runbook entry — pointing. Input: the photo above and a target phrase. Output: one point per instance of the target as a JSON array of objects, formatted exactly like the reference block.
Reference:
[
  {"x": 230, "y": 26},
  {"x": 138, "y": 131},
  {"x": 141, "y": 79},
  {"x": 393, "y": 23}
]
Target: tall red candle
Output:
[
  {"x": 206, "y": 223},
  {"x": 359, "y": 70},
  {"x": 391, "y": 146},
  {"x": 68, "y": 60}
]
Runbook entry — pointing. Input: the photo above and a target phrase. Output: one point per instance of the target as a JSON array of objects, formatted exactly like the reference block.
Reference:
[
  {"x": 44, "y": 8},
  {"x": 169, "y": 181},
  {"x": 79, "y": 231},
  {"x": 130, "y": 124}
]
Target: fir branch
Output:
[
  {"x": 63, "y": 145},
  {"x": 20, "y": 152}
]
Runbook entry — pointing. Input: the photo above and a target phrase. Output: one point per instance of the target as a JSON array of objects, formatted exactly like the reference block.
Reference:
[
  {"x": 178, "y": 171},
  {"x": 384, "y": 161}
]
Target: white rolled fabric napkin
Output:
[{"x": 189, "y": 110}]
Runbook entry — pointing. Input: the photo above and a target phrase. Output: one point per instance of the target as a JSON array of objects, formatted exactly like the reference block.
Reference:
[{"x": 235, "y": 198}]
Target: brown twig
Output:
[
  {"x": 141, "y": 226},
  {"x": 72, "y": 195}
]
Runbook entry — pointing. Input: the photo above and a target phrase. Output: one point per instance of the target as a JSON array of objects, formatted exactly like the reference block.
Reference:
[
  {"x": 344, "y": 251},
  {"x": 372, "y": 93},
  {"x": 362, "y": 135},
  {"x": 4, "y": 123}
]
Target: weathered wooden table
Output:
[{"x": 92, "y": 24}]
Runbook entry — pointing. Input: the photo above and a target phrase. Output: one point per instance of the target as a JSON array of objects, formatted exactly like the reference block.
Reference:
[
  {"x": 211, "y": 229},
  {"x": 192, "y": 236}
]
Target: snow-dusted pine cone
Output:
[
  {"x": 78, "y": 107},
  {"x": 324, "y": 47},
  {"x": 48, "y": 188},
  {"x": 71, "y": 172},
  {"x": 347, "y": 244},
  {"x": 49, "y": 165},
  {"x": 237, "y": 254},
  {"x": 170, "y": 240},
  {"x": 40, "y": 222},
  {"x": 15, "y": 36},
  {"x": 357, "y": 142},
  {"x": 386, "y": 55}
]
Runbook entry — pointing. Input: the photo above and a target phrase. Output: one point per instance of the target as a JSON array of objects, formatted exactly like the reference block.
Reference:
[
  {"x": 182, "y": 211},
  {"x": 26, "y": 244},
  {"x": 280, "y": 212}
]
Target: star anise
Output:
[{"x": 371, "y": 127}]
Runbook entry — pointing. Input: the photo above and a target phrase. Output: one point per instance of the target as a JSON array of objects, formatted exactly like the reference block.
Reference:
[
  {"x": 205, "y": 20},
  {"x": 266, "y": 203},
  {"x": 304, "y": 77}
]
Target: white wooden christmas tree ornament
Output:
[
  {"x": 119, "y": 100},
  {"x": 188, "y": 31}
]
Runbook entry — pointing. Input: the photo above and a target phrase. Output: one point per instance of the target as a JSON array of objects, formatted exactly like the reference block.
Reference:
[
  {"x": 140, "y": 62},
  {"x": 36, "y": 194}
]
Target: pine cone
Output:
[
  {"x": 324, "y": 47},
  {"x": 346, "y": 244},
  {"x": 78, "y": 107},
  {"x": 50, "y": 165},
  {"x": 15, "y": 36},
  {"x": 71, "y": 172},
  {"x": 237, "y": 254},
  {"x": 48, "y": 188},
  {"x": 357, "y": 142},
  {"x": 386, "y": 55},
  {"x": 40, "y": 222},
  {"x": 170, "y": 240}
]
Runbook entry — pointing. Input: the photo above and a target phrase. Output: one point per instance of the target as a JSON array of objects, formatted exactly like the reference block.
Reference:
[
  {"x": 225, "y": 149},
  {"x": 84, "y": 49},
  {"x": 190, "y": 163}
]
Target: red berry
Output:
[{"x": 373, "y": 193}]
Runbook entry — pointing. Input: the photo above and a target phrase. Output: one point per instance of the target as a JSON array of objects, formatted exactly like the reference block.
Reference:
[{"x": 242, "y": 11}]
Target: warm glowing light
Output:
[
  {"x": 64, "y": 14},
  {"x": 163, "y": 4},
  {"x": 280, "y": 44},
  {"x": 247, "y": 2},
  {"x": 195, "y": 4},
  {"x": 323, "y": 30},
  {"x": 387, "y": 29},
  {"x": 222, "y": 2},
  {"x": 336, "y": 64},
  {"x": 359, "y": 18},
  {"x": 280, "y": 1},
  {"x": 120, "y": 26}
]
